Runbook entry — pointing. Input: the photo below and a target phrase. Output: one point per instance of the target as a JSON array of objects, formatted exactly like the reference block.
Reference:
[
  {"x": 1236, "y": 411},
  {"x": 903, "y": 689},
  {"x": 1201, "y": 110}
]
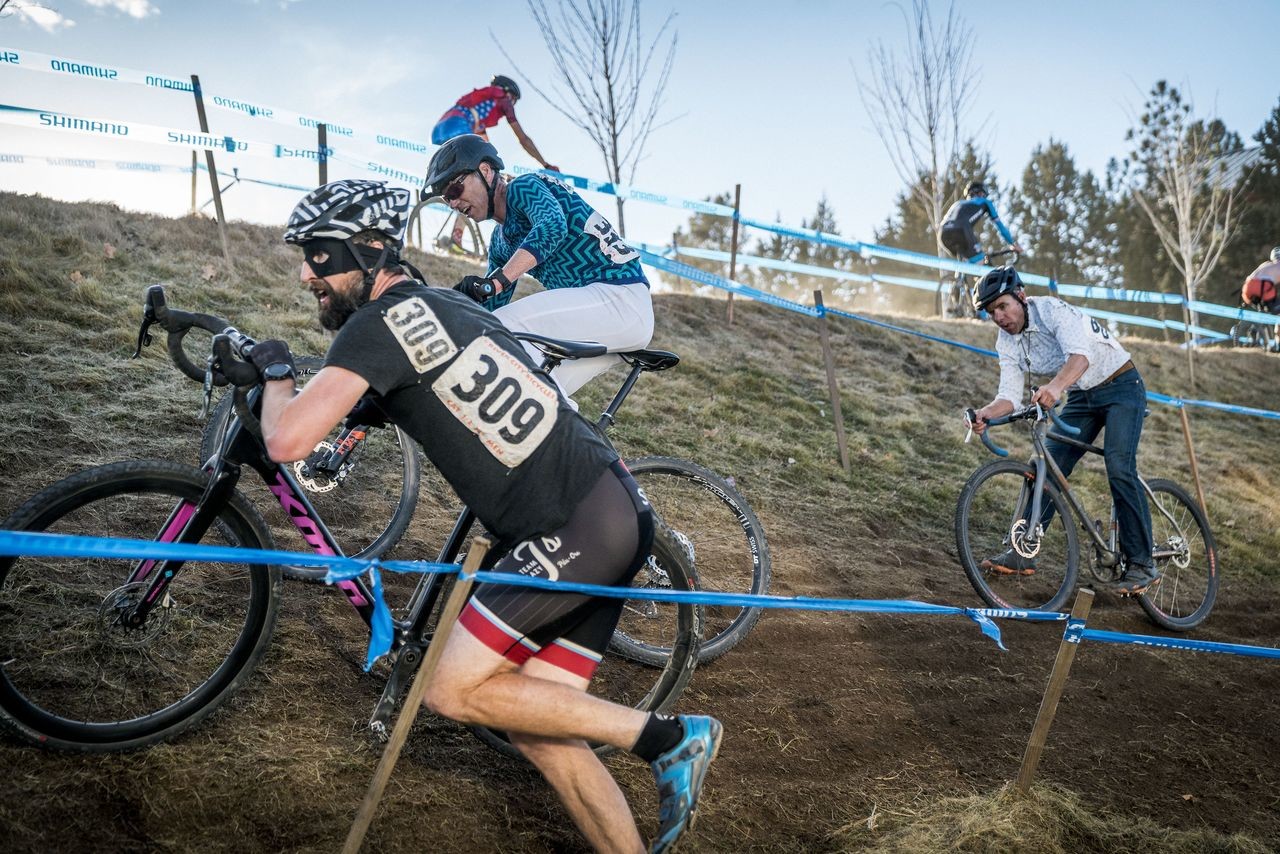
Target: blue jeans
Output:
[{"x": 1120, "y": 407}]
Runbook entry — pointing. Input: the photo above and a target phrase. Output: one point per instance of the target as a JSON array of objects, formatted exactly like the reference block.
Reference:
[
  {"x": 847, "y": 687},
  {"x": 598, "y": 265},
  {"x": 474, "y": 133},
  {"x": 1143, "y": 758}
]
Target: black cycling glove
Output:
[
  {"x": 476, "y": 288},
  {"x": 366, "y": 412},
  {"x": 273, "y": 360}
]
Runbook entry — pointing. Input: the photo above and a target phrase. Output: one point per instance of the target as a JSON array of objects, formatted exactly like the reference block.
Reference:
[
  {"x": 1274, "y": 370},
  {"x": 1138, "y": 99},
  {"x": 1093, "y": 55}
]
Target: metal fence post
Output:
[
  {"x": 733, "y": 244},
  {"x": 322, "y": 133}
]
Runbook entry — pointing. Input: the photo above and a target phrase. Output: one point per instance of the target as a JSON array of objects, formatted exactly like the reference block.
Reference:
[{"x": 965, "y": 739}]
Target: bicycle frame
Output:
[{"x": 1042, "y": 461}]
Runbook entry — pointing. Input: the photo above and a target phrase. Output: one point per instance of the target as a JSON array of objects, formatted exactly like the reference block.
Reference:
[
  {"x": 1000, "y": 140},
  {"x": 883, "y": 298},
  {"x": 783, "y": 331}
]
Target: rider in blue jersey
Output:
[
  {"x": 594, "y": 288},
  {"x": 958, "y": 226}
]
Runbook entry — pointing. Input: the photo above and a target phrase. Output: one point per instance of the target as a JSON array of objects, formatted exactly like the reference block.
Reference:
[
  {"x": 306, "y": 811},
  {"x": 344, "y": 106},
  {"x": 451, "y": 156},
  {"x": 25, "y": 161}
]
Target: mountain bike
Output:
[
  {"x": 117, "y": 654},
  {"x": 1002, "y": 507},
  {"x": 958, "y": 298},
  {"x": 472, "y": 245},
  {"x": 377, "y": 471}
]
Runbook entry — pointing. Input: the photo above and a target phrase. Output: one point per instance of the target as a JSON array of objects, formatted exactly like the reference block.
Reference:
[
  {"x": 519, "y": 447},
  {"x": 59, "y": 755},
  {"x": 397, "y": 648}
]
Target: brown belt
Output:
[{"x": 1120, "y": 370}]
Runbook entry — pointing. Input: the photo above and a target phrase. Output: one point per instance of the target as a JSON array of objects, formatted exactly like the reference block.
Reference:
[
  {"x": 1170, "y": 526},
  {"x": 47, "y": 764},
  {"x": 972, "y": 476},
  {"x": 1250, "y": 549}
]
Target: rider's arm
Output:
[
  {"x": 520, "y": 262},
  {"x": 999, "y": 224},
  {"x": 1051, "y": 392},
  {"x": 1009, "y": 393},
  {"x": 531, "y": 197},
  {"x": 293, "y": 422},
  {"x": 528, "y": 145}
]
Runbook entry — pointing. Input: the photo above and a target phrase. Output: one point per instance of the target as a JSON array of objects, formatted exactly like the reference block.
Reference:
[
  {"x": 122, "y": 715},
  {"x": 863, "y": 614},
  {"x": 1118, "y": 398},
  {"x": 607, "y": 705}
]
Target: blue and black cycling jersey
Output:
[
  {"x": 573, "y": 244},
  {"x": 959, "y": 225}
]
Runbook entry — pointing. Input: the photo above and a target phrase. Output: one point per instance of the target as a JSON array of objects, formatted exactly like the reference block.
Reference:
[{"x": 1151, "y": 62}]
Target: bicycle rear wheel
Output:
[
  {"x": 671, "y": 626},
  {"x": 1189, "y": 576},
  {"x": 472, "y": 244},
  {"x": 723, "y": 541},
  {"x": 72, "y": 676},
  {"x": 992, "y": 506},
  {"x": 367, "y": 505}
]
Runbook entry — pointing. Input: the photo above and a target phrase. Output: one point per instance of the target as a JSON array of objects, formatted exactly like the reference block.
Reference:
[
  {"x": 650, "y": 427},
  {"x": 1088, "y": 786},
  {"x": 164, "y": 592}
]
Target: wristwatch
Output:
[{"x": 279, "y": 371}]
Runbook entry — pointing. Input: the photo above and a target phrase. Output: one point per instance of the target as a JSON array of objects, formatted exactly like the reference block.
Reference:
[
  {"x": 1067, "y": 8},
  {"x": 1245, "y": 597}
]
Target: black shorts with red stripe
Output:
[{"x": 605, "y": 542}]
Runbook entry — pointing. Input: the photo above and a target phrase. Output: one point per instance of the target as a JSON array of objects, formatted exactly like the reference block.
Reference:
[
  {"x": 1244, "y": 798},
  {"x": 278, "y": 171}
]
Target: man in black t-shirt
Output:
[{"x": 537, "y": 476}]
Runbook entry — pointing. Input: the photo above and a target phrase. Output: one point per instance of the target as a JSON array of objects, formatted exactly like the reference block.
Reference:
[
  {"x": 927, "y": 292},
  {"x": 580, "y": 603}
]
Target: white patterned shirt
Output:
[{"x": 1055, "y": 331}]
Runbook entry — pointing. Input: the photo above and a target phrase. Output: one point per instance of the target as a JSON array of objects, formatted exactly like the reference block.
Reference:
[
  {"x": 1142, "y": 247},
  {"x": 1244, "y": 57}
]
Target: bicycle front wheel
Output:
[
  {"x": 75, "y": 677},
  {"x": 661, "y": 625},
  {"x": 367, "y": 504},
  {"x": 991, "y": 513},
  {"x": 1186, "y": 557},
  {"x": 723, "y": 541}
]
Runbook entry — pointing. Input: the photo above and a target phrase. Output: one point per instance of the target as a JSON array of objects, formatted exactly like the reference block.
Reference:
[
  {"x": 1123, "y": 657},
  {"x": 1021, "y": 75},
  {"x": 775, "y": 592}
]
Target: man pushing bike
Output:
[
  {"x": 555, "y": 496},
  {"x": 1044, "y": 335},
  {"x": 594, "y": 288}
]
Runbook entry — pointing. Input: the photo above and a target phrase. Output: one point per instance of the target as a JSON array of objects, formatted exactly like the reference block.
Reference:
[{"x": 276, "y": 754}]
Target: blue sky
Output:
[{"x": 762, "y": 93}]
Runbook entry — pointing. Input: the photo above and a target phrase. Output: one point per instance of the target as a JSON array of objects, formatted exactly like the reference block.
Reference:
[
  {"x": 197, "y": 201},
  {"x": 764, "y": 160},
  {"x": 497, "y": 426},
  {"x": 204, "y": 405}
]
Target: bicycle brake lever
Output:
[
  {"x": 208, "y": 386},
  {"x": 969, "y": 416}
]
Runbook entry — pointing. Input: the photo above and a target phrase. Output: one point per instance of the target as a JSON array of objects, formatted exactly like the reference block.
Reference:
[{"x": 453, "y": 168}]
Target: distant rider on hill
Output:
[
  {"x": 476, "y": 112},
  {"x": 1261, "y": 291},
  {"x": 959, "y": 224}
]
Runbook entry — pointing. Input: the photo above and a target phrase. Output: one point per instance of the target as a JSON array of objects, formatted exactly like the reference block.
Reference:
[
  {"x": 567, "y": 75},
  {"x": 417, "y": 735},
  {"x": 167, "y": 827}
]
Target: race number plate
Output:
[
  {"x": 499, "y": 399},
  {"x": 418, "y": 332}
]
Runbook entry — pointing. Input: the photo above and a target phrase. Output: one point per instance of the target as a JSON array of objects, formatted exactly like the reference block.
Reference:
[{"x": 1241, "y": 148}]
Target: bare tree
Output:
[
  {"x": 1184, "y": 181},
  {"x": 609, "y": 82},
  {"x": 917, "y": 101}
]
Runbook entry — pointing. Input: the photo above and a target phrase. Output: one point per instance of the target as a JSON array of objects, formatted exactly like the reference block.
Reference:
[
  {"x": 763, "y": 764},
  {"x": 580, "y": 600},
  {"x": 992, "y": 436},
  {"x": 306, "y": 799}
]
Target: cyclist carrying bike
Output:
[
  {"x": 556, "y": 497},
  {"x": 1261, "y": 291},
  {"x": 476, "y": 112},
  {"x": 594, "y": 288},
  {"x": 959, "y": 224},
  {"x": 1044, "y": 335}
]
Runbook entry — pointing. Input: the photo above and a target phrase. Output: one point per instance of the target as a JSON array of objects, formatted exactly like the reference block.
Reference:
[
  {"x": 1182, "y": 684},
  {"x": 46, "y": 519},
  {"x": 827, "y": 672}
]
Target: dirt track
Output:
[{"x": 828, "y": 718}]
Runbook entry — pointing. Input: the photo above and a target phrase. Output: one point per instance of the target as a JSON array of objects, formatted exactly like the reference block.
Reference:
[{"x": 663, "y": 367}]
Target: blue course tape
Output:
[
  {"x": 1181, "y": 643},
  {"x": 702, "y": 276}
]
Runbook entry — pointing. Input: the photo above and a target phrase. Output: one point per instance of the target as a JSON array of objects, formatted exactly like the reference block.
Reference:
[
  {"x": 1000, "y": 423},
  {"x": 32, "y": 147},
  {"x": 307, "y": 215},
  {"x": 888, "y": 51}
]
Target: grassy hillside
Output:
[{"x": 831, "y": 719}]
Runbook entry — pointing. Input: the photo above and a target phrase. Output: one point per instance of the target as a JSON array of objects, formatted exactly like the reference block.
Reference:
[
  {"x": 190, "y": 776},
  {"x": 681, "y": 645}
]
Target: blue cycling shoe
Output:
[{"x": 679, "y": 773}]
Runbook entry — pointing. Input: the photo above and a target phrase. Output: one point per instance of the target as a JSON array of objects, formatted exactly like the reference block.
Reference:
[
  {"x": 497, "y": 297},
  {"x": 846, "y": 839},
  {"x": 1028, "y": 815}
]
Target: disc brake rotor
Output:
[
  {"x": 114, "y": 611},
  {"x": 311, "y": 480}
]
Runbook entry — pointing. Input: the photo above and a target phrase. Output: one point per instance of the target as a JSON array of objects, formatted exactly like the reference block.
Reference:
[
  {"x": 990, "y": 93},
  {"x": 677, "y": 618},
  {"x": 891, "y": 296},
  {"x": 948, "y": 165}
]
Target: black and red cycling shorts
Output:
[{"x": 605, "y": 542}]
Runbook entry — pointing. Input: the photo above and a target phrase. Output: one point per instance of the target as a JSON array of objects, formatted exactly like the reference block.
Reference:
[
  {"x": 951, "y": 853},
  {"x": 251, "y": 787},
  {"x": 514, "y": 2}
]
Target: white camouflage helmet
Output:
[
  {"x": 342, "y": 209},
  {"x": 1275, "y": 254}
]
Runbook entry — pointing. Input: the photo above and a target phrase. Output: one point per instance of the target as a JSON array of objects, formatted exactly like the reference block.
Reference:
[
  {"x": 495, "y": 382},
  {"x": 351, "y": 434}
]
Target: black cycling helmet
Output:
[
  {"x": 461, "y": 154},
  {"x": 342, "y": 209},
  {"x": 507, "y": 84},
  {"x": 995, "y": 284},
  {"x": 975, "y": 188}
]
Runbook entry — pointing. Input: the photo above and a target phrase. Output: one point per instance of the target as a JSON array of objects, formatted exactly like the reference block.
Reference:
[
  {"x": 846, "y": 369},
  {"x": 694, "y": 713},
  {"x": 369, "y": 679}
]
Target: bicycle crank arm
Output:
[{"x": 406, "y": 665}]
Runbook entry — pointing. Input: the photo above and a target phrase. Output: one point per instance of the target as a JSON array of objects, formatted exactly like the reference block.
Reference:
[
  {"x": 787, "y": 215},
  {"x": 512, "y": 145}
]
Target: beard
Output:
[{"x": 342, "y": 304}]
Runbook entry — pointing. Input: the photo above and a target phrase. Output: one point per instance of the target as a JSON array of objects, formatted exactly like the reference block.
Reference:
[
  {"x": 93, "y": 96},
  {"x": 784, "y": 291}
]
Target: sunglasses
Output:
[{"x": 454, "y": 190}]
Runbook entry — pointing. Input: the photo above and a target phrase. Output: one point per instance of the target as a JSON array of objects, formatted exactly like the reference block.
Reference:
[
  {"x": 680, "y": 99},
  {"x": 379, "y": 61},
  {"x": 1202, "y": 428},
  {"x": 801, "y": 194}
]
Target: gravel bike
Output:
[
  {"x": 1002, "y": 507},
  {"x": 377, "y": 469},
  {"x": 117, "y": 654}
]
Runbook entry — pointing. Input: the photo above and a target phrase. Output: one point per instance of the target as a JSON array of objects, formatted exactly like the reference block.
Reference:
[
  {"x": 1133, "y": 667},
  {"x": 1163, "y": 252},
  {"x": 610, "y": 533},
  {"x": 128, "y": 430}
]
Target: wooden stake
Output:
[
  {"x": 213, "y": 171},
  {"x": 733, "y": 244},
  {"x": 1053, "y": 693},
  {"x": 413, "y": 702},
  {"x": 1191, "y": 454},
  {"x": 832, "y": 387},
  {"x": 194, "y": 169},
  {"x": 322, "y": 134}
]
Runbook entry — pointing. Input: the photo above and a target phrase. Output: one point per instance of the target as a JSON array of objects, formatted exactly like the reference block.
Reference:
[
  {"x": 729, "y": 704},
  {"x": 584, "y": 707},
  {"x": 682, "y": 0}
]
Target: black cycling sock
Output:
[{"x": 660, "y": 734}]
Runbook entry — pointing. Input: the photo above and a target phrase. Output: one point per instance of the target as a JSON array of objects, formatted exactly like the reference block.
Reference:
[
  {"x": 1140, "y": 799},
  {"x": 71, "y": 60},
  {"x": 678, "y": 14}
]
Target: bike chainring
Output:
[
  {"x": 317, "y": 481},
  {"x": 114, "y": 611}
]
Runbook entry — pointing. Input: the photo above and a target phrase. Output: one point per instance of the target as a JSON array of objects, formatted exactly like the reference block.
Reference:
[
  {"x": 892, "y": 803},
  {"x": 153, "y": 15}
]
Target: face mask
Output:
[{"x": 327, "y": 257}]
